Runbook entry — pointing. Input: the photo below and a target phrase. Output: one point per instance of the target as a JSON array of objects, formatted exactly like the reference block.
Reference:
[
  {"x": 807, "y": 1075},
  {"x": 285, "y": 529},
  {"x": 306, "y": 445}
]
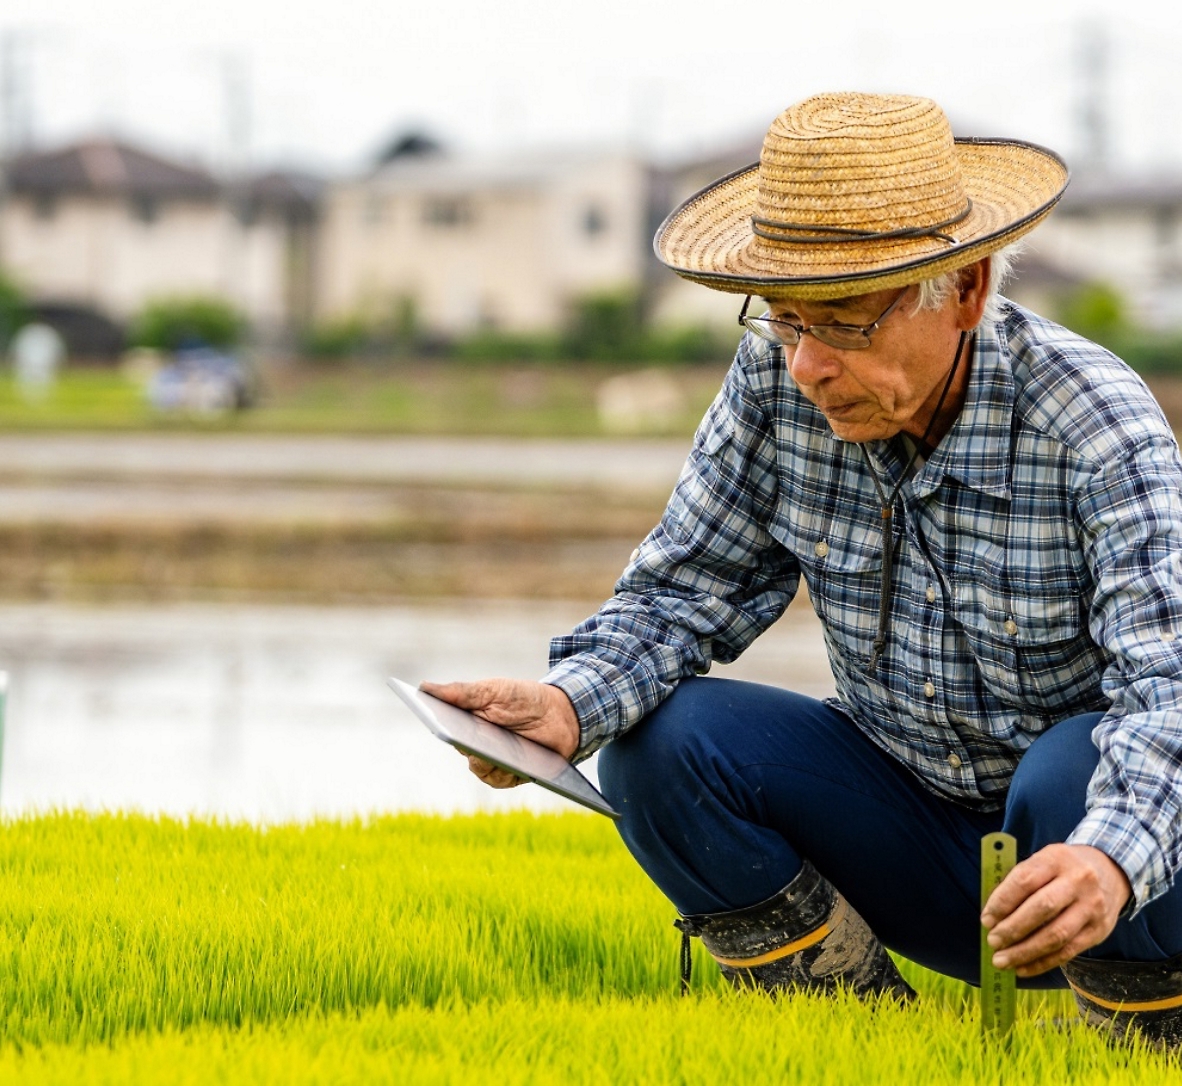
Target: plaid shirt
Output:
[{"x": 1038, "y": 574}]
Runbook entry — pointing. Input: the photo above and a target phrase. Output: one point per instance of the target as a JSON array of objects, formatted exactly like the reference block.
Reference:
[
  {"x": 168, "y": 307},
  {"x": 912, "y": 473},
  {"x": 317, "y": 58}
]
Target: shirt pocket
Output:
[
  {"x": 1031, "y": 650},
  {"x": 843, "y": 570}
]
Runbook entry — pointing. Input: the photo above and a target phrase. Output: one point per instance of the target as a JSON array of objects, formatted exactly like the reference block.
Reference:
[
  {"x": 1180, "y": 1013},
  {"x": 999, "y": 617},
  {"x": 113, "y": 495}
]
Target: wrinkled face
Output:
[{"x": 891, "y": 386}]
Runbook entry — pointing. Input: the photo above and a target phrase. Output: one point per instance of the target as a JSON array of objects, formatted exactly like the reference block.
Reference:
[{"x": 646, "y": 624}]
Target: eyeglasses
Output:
[{"x": 845, "y": 337}]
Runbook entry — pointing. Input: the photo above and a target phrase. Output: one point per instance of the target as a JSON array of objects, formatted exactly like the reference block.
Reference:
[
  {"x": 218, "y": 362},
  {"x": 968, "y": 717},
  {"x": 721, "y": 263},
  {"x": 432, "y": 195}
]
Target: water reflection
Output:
[{"x": 275, "y": 713}]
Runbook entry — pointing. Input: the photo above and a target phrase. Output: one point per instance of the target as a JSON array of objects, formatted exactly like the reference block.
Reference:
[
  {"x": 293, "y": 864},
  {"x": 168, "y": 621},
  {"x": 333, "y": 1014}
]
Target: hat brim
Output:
[{"x": 709, "y": 239}]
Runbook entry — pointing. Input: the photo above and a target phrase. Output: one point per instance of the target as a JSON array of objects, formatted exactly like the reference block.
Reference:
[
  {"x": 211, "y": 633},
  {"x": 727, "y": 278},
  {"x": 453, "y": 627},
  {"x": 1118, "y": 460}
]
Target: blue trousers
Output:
[{"x": 728, "y": 786}]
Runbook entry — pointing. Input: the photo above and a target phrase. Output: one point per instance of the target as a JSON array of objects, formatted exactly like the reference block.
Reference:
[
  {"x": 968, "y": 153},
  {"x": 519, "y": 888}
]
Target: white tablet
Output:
[{"x": 468, "y": 733}]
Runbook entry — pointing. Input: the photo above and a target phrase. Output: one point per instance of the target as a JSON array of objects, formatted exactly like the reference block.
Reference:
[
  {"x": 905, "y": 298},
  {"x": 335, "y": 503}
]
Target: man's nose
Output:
[{"x": 810, "y": 362}]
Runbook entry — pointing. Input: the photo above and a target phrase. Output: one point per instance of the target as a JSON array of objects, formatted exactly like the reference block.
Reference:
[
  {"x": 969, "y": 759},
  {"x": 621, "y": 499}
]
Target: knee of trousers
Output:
[
  {"x": 1047, "y": 797},
  {"x": 667, "y": 757}
]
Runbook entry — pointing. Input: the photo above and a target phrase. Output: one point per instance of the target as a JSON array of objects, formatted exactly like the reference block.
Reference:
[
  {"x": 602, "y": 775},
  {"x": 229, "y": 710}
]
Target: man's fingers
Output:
[
  {"x": 1053, "y": 906},
  {"x": 1070, "y": 933},
  {"x": 1037, "y": 910},
  {"x": 470, "y": 696},
  {"x": 512, "y": 704},
  {"x": 537, "y": 711},
  {"x": 1025, "y": 879},
  {"x": 492, "y": 775}
]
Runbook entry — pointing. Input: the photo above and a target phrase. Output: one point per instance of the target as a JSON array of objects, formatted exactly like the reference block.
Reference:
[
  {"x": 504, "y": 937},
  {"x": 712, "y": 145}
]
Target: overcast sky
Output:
[{"x": 326, "y": 84}]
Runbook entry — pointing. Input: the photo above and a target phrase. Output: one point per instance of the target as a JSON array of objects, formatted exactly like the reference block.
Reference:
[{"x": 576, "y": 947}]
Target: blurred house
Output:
[
  {"x": 1039, "y": 284},
  {"x": 1126, "y": 233},
  {"x": 673, "y": 301},
  {"x": 460, "y": 242},
  {"x": 499, "y": 241},
  {"x": 101, "y": 227}
]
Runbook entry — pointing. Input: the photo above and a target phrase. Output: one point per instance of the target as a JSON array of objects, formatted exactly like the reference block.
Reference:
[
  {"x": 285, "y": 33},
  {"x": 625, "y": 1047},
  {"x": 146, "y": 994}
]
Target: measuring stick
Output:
[{"x": 999, "y": 853}]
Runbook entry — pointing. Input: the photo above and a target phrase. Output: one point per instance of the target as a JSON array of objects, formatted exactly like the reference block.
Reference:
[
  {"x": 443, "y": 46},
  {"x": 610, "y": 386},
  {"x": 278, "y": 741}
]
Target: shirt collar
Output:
[{"x": 976, "y": 451}]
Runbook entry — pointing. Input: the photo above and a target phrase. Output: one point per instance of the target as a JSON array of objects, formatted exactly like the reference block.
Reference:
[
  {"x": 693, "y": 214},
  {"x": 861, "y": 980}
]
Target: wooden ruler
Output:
[{"x": 999, "y": 997}]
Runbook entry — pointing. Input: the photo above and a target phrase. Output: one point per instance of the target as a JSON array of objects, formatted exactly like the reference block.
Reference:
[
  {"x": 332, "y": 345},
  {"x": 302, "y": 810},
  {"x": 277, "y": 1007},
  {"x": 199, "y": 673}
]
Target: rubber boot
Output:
[
  {"x": 1119, "y": 997},
  {"x": 805, "y": 938}
]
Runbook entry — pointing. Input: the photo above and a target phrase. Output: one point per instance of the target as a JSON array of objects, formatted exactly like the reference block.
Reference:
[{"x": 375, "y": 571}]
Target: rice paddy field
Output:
[{"x": 412, "y": 949}]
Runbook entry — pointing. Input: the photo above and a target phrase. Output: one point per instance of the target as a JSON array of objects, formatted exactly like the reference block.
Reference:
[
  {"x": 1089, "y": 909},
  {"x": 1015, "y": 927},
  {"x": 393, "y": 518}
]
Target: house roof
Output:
[
  {"x": 1030, "y": 269},
  {"x": 1089, "y": 193},
  {"x": 107, "y": 167},
  {"x": 446, "y": 174},
  {"x": 291, "y": 191}
]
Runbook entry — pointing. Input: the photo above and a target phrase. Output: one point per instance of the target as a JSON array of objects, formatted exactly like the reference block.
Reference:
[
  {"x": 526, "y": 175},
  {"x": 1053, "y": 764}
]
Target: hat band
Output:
[{"x": 763, "y": 228}]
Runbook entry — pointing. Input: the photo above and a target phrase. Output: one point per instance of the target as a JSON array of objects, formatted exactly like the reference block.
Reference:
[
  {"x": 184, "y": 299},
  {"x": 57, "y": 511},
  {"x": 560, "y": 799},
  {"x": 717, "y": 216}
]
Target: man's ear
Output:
[{"x": 972, "y": 292}]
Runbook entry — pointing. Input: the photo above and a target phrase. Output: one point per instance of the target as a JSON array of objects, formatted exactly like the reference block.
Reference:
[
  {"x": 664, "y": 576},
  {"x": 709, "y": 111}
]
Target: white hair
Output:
[{"x": 934, "y": 292}]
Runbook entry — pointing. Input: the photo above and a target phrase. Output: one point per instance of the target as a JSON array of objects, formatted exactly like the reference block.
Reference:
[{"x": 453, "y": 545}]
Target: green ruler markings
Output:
[{"x": 999, "y": 997}]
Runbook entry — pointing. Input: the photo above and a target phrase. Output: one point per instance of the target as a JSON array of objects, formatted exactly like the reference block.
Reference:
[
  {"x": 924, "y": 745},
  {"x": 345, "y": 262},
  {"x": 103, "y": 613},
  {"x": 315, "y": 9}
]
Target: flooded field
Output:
[{"x": 274, "y": 713}]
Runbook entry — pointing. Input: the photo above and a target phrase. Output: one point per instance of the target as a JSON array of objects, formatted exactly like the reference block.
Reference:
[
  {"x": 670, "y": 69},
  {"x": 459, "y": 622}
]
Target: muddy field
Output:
[{"x": 148, "y": 518}]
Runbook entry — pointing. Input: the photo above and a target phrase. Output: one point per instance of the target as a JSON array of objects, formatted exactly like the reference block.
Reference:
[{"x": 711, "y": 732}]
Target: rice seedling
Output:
[{"x": 511, "y": 948}]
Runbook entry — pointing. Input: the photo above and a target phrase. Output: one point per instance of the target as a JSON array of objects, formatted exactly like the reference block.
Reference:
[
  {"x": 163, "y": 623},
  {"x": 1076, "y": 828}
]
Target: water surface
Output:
[{"x": 277, "y": 713}]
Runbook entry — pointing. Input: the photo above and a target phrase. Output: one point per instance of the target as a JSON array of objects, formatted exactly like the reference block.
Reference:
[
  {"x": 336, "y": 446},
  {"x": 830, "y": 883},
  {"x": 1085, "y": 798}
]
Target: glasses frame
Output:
[{"x": 768, "y": 328}]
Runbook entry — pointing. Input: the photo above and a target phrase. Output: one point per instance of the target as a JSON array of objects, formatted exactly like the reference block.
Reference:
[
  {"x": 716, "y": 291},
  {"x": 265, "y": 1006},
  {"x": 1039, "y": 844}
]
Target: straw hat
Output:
[{"x": 855, "y": 193}]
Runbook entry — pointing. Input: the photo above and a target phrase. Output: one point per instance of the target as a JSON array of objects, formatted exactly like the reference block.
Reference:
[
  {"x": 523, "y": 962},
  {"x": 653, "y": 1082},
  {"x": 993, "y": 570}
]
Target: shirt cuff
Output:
[{"x": 592, "y": 693}]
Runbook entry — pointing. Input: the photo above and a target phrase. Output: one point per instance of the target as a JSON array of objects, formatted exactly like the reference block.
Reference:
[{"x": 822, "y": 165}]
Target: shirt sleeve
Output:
[
  {"x": 701, "y": 587},
  {"x": 1131, "y": 513}
]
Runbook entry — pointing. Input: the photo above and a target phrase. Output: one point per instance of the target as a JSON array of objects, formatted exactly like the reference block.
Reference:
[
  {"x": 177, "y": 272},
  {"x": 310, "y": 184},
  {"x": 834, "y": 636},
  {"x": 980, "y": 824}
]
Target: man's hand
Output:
[
  {"x": 539, "y": 712},
  {"x": 1053, "y": 906}
]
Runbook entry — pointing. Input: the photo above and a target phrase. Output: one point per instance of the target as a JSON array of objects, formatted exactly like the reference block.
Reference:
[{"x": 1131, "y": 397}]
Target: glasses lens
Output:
[
  {"x": 772, "y": 331},
  {"x": 762, "y": 327},
  {"x": 842, "y": 336}
]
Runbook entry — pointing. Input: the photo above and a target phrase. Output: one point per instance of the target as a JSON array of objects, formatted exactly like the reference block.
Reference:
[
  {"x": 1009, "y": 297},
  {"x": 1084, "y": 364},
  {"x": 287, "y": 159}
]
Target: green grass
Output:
[
  {"x": 556, "y": 400},
  {"x": 508, "y": 949}
]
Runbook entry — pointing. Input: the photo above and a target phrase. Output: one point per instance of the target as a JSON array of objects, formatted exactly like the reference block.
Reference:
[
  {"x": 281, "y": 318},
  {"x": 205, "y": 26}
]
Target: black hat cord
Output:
[{"x": 888, "y": 506}]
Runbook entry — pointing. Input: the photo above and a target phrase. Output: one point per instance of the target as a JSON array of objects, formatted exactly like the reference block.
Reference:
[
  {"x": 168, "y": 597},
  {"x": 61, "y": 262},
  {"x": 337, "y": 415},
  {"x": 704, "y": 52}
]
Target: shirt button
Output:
[
  {"x": 954, "y": 761},
  {"x": 929, "y": 690},
  {"x": 821, "y": 549},
  {"x": 931, "y": 594},
  {"x": 1011, "y": 627},
  {"x": 635, "y": 554}
]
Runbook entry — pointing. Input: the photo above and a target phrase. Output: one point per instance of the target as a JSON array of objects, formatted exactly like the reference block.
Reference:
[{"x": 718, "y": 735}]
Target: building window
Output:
[
  {"x": 594, "y": 221},
  {"x": 247, "y": 211},
  {"x": 145, "y": 209},
  {"x": 447, "y": 212},
  {"x": 373, "y": 210}
]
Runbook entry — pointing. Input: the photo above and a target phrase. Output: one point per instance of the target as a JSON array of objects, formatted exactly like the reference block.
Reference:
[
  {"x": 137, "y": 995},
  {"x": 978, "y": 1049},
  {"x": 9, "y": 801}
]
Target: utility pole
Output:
[
  {"x": 9, "y": 98},
  {"x": 1094, "y": 61},
  {"x": 236, "y": 103}
]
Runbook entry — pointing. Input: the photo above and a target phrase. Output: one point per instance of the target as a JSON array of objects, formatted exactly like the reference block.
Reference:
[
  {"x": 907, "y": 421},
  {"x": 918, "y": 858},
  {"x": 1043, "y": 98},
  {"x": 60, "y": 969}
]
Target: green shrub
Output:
[
  {"x": 1097, "y": 311},
  {"x": 605, "y": 327},
  {"x": 13, "y": 310},
  {"x": 1150, "y": 352},
  {"x": 342, "y": 337},
  {"x": 168, "y": 323},
  {"x": 491, "y": 346},
  {"x": 699, "y": 344}
]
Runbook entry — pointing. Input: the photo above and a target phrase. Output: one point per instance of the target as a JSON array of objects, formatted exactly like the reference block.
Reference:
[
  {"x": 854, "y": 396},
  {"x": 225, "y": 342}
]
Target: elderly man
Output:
[{"x": 987, "y": 511}]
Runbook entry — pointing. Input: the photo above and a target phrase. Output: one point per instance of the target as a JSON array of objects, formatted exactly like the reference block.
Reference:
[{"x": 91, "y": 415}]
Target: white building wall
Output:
[
  {"x": 1135, "y": 251},
  {"x": 488, "y": 246},
  {"x": 97, "y": 252}
]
